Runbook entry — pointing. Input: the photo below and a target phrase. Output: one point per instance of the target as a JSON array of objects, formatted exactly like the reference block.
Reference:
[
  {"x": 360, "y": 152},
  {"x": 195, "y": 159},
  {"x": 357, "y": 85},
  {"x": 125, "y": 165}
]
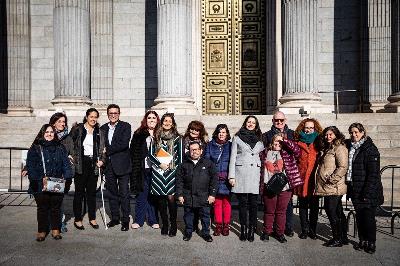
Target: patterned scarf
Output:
[
  {"x": 354, "y": 146},
  {"x": 167, "y": 138},
  {"x": 62, "y": 134}
]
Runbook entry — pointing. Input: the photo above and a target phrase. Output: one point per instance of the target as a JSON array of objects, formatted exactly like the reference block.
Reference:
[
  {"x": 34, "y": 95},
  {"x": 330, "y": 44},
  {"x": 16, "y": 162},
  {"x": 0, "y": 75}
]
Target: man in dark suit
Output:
[{"x": 118, "y": 167}]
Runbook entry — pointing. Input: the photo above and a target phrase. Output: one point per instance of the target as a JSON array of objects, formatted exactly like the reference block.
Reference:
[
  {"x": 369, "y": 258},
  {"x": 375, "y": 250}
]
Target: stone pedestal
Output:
[
  {"x": 174, "y": 57},
  {"x": 394, "y": 98},
  {"x": 376, "y": 50},
  {"x": 18, "y": 50},
  {"x": 300, "y": 57},
  {"x": 71, "y": 53}
]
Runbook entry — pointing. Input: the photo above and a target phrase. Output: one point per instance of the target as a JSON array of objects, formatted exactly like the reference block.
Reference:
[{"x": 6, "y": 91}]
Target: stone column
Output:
[
  {"x": 300, "y": 87},
  {"x": 394, "y": 98},
  {"x": 376, "y": 50},
  {"x": 196, "y": 54},
  {"x": 18, "y": 50},
  {"x": 101, "y": 67},
  {"x": 174, "y": 57},
  {"x": 71, "y": 53}
]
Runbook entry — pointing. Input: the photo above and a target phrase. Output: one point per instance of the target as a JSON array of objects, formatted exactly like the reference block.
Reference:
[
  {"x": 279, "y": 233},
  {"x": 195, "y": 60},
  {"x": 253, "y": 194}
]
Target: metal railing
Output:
[
  {"x": 395, "y": 214},
  {"x": 336, "y": 95},
  {"x": 10, "y": 179}
]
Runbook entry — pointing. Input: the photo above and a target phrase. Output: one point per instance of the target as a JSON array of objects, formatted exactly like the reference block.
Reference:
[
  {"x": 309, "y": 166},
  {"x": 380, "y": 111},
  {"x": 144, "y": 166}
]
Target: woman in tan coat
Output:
[{"x": 330, "y": 181}]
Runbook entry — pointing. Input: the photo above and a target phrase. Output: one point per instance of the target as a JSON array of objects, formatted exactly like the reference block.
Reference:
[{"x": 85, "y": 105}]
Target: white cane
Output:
[{"x": 102, "y": 199}]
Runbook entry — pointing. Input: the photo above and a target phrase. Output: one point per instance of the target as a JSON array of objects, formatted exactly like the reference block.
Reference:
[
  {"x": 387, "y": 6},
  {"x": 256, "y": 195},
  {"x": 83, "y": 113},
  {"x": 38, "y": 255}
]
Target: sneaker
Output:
[
  {"x": 135, "y": 226},
  {"x": 155, "y": 226},
  {"x": 187, "y": 237}
]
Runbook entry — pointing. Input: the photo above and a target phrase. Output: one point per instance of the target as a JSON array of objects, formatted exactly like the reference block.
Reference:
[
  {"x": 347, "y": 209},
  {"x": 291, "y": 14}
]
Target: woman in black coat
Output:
[
  {"x": 47, "y": 149},
  {"x": 364, "y": 185},
  {"x": 141, "y": 170}
]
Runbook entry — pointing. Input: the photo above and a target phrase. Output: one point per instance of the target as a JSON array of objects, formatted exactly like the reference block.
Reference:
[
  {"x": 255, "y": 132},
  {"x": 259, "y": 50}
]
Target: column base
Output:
[
  {"x": 176, "y": 105},
  {"x": 70, "y": 101},
  {"x": 304, "y": 104},
  {"x": 19, "y": 111},
  {"x": 394, "y": 105},
  {"x": 375, "y": 107}
]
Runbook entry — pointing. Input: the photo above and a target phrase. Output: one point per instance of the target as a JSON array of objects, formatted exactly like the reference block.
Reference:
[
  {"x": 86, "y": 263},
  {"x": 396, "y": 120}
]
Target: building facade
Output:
[{"x": 200, "y": 56}]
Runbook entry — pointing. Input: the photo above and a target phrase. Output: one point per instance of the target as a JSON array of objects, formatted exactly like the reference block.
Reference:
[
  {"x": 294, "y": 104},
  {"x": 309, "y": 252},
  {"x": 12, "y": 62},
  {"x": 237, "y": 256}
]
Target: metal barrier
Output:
[
  {"x": 392, "y": 212},
  {"x": 10, "y": 185}
]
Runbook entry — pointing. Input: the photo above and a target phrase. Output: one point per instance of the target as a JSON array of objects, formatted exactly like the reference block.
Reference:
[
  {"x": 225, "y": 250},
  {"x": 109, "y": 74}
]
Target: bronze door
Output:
[{"x": 233, "y": 56}]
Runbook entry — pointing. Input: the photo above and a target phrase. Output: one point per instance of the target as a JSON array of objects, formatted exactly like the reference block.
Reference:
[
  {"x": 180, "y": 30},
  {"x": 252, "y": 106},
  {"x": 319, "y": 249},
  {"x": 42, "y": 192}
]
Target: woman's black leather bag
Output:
[{"x": 275, "y": 185}]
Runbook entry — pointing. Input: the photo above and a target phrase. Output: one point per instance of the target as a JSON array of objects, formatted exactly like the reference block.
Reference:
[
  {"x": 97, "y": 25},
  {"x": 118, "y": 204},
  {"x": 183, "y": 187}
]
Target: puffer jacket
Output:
[
  {"x": 220, "y": 156},
  {"x": 365, "y": 189},
  {"x": 331, "y": 171},
  {"x": 56, "y": 160},
  {"x": 307, "y": 165}
]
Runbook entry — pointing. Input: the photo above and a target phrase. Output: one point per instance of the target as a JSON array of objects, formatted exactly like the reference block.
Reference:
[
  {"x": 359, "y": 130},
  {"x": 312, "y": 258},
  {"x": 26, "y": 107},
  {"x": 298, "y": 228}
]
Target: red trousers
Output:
[
  {"x": 275, "y": 211},
  {"x": 222, "y": 210}
]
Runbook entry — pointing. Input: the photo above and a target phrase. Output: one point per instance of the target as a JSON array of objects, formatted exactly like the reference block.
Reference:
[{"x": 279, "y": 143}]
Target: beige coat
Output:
[{"x": 331, "y": 172}]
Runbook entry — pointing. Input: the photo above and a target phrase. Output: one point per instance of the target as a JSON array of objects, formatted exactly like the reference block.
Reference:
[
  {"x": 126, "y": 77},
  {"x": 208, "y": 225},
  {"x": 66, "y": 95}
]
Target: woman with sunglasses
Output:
[
  {"x": 244, "y": 174},
  {"x": 166, "y": 154},
  {"x": 330, "y": 180}
]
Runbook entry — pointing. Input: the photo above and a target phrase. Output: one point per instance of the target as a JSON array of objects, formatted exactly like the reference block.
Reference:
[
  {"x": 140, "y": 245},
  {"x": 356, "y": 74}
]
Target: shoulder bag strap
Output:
[{"x": 44, "y": 165}]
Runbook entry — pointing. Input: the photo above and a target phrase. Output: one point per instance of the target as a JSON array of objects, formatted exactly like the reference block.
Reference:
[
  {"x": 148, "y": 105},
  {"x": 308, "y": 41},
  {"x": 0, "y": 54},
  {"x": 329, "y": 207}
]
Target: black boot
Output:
[
  {"x": 250, "y": 233},
  {"x": 337, "y": 236},
  {"x": 345, "y": 239},
  {"x": 360, "y": 245},
  {"x": 370, "y": 247},
  {"x": 243, "y": 233}
]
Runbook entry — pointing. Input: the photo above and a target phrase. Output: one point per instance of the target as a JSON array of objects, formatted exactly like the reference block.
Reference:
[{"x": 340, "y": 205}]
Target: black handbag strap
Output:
[{"x": 44, "y": 165}]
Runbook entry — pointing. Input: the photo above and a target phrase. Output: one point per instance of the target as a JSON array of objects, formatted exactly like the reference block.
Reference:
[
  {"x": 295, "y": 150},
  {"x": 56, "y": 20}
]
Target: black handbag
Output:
[{"x": 275, "y": 185}]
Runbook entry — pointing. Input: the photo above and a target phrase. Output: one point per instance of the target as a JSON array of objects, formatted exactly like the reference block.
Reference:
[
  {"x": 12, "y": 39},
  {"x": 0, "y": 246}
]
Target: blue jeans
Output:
[
  {"x": 144, "y": 204},
  {"x": 204, "y": 213}
]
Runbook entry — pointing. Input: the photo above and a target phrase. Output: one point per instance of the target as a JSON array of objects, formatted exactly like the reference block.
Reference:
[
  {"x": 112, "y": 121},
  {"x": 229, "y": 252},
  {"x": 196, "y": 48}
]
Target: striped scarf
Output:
[{"x": 354, "y": 146}]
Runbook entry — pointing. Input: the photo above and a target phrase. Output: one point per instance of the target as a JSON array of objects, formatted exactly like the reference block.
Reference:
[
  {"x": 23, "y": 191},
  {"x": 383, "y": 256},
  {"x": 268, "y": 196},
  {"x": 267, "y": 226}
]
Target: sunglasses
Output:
[{"x": 279, "y": 120}]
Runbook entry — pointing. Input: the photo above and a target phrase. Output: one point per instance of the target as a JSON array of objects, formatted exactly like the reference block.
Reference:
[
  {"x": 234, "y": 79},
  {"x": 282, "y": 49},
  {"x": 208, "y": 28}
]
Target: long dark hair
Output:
[
  {"x": 40, "y": 136},
  {"x": 257, "y": 129},
  {"x": 337, "y": 141},
  {"x": 174, "y": 130},
  {"x": 143, "y": 124},
  {"x": 56, "y": 116},
  {"x": 218, "y": 129},
  {"x": 88, "y": 111}
]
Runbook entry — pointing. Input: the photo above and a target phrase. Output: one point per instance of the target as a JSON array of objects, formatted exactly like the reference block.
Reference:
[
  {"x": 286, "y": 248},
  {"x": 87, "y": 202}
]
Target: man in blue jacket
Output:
[
  {"x": 196, "y": 187},
  {"x": 118, "y": 166}
]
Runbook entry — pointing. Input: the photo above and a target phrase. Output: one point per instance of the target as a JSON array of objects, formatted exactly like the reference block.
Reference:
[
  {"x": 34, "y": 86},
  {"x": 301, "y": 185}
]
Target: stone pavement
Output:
[{"x": 145, "y": 246}]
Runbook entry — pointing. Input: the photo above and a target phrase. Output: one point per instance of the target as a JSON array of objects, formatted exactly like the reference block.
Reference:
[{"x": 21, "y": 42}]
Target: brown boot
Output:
[
  {"x": 41, "y": 236},
  {"x": 56, "y": 234},
  {"x": 218, "y": 229},
  {"x": 225, "y": 230}
]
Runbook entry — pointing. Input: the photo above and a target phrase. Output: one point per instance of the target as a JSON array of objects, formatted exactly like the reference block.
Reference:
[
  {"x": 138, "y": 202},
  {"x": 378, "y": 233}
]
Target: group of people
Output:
[{"x": 164, "y": 168}]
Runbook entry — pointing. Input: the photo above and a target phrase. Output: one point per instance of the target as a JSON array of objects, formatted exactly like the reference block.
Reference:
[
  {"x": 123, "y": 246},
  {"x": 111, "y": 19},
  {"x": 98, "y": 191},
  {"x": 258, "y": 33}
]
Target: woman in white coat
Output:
[{"x": 244, "y": 174}]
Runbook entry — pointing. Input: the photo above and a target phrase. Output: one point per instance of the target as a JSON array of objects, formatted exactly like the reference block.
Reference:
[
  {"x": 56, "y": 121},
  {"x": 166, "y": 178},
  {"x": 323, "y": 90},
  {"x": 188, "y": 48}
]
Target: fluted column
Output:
[
  {"x": 18, "y": 50},
  {"x": 174, "y": 53},
  {"x": 376, "y": 50},
  {"x": 101, "y": 67},
  {"x": 71, "y": 52},
  {"x": 299, "y": 55},
  {"x": 394, "y": 98},
  {"x": 196, "y": 54}
]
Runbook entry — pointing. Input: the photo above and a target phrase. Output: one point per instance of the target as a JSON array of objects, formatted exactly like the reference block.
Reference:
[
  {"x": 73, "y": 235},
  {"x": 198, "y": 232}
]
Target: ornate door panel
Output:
[{"x": 233, "y": 42}]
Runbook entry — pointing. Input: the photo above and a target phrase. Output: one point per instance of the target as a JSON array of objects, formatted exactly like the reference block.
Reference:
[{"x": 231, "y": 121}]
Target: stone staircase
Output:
[{"x": 384, "y": 129}]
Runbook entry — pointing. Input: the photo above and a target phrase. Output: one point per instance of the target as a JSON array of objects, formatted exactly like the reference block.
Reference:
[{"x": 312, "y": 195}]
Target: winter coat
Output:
[
  {"x": 77, "y": 136},
  {"x": 139, "y": 152},
  {"x": 267, "y": 136},
  {"x": 331, "y": 171},
  {"x": 365, "y": 189},
  {"x": 56, "y": 160},
  {"x": 195, "y": 182},
  {"x": 220, "y": 156},
  {"x": 307, "y": 165},
  {"x": 290, "y": 153},
  {"x": 245, "y": 166}
]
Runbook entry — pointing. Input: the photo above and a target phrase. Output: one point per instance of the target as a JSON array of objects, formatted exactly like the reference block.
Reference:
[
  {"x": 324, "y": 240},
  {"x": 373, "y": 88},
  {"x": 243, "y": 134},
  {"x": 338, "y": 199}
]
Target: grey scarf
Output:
[{"x": 354, "y": 146}]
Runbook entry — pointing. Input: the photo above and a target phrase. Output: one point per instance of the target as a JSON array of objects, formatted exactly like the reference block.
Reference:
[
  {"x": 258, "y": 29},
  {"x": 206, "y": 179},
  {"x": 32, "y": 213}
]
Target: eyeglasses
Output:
[
  {"x": 309, "y": 128},
  {"x": 113, "y": 114},
  {"x": 193, "y": 129},
  {"x": 279, "y": 120}
]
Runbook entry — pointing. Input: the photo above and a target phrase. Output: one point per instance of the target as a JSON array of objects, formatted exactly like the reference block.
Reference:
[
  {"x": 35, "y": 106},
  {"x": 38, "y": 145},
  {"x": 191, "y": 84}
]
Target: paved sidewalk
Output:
[{"x": 145, "y": 246}]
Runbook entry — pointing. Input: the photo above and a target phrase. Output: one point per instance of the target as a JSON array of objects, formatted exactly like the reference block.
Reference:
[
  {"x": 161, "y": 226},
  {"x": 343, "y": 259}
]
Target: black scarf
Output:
[{"x": 248, "y": 136}]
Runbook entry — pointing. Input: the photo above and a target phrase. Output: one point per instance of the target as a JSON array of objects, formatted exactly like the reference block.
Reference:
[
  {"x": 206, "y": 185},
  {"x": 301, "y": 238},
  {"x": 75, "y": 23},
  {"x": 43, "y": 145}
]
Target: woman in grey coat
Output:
[{"x": 244, "y": 173}]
